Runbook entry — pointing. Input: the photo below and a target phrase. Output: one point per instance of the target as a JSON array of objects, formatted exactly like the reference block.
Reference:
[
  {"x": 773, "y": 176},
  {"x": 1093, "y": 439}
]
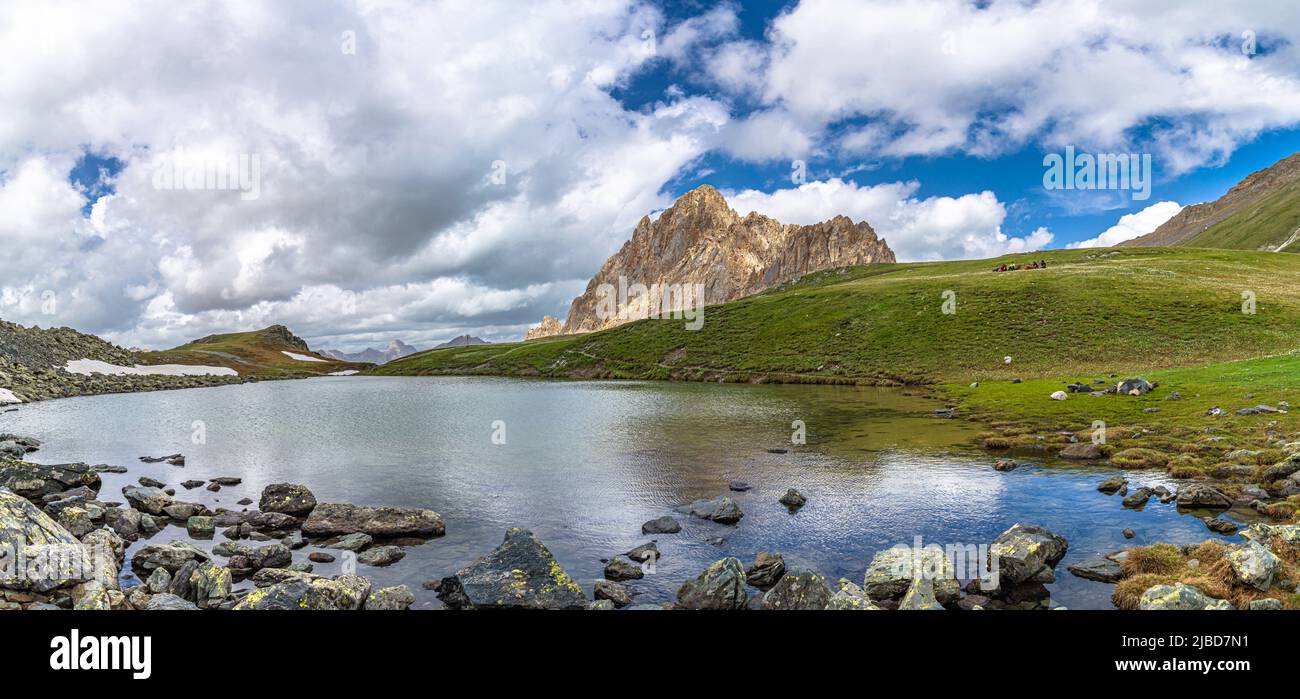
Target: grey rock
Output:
[
  {"x": 520, "y": 573},
  {"x": 720, "y": 586}
]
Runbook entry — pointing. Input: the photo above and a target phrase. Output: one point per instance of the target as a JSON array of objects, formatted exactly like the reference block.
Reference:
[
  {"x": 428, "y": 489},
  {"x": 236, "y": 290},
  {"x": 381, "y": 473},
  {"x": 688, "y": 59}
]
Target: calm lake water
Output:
[{"x": 585, "y": 463}]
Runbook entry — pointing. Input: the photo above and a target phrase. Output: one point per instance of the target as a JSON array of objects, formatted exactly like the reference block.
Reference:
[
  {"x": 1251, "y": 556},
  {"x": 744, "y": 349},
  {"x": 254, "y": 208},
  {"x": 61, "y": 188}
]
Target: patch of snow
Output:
[
  {"x": 300, "y": 357},
  {"x": 345, "y": 372},
  {"x": 94, "y": 366},
  {"x": 7, "y": 397}
]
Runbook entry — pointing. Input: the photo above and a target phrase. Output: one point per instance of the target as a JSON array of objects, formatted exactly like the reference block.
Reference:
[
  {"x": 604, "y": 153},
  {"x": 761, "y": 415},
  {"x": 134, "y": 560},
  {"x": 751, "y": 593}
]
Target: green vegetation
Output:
[
  {"x": 1091, "y": 312},
  {"x": 1271, "y": 222},
  {"x": 258, "y": 353}
]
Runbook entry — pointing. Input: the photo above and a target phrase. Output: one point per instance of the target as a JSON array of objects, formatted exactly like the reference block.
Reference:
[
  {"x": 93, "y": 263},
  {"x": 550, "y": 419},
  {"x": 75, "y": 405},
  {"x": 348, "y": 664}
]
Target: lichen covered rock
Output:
[{"x": 520, "y": 573}]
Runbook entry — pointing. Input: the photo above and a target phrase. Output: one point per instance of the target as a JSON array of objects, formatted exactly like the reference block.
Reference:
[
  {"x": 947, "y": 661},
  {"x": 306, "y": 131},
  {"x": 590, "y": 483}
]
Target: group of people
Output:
[{"x": 1041, "y": 264}]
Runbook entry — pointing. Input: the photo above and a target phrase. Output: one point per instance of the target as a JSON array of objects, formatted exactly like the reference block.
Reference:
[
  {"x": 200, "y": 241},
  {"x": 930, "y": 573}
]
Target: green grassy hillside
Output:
[
  {"x": 1091, "y": 311},
  {"x": 256, "y": 353},
  {"x": 1270, "y": 224}
]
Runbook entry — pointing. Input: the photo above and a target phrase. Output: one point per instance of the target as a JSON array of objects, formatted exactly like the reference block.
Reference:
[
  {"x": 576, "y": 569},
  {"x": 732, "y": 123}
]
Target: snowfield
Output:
[
  {"x": 300, "y": 357},
  {"x": 94, "y": 366},
  {"x": 7, "y": 397}
]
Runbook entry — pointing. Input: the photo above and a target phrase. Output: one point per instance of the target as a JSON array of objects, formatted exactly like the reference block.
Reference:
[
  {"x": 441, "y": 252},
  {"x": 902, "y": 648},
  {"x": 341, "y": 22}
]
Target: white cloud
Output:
[
  {"x": 1132, "y": 225},
  {"x": 932, "y": 228},
  {"x": 936, "y": 76}
]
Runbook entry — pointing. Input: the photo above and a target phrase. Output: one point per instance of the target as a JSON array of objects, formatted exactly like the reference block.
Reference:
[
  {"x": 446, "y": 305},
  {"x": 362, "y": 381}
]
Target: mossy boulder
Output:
[
  {"x": 720, "y": 586},
  {"x": 799, "y": 588},
  {"x": 521, "y": 573},
  {"x": 891, "y": 573},
  {"x": 1179, "y": 597},
  {"x": 287, "y": 498},
  {"x": 1025, "y": 552}
]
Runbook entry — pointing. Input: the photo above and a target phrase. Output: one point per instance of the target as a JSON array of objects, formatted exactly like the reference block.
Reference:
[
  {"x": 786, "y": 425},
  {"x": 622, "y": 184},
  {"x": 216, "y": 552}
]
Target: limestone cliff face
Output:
[
  {"x": 549, "y": 326},
  {"x": 702, "y": 241}
]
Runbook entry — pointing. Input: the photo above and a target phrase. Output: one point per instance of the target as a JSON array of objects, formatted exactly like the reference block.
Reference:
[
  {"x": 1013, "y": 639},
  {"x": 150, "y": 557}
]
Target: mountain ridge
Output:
[{"x": 701, "y": 242}]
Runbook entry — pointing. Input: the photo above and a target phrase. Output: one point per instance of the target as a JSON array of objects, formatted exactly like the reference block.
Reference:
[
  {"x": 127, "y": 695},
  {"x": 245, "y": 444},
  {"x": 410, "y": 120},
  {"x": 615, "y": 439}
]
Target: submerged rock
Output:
[
  {"x": 622, "y": 569},
  {"x": 352, "y": 542},
  {"x": 380, "y": 556},
  {"x": 1179, "y": 597},
  {"x": 1098, "y": 568},
  {"x": 615, "y": 593},
  {"x": 721, "y": 509},
  {"x": 328, "y": 519},
  {"x": 661, "y": 525},
  {"x": 520, "y": 573},
  {"x": 720, "y": 586},
  {"x": 799, "y": 588},
  {"x": 793, "y": 499}
]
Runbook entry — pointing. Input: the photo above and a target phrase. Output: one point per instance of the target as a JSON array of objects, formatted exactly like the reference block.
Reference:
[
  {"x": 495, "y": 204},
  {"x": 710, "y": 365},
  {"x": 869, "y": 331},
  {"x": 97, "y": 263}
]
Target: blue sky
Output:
[{"x": 430, "y": 169}]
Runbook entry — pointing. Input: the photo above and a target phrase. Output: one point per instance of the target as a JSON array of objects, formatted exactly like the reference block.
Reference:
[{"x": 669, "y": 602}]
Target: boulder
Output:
[
  {"x": 390, "y": 599},
  {"x": 1254, "y": 565},
  {"x": 720, "y": 586},
  {"x": 272, "y": 522},
  {"x": 614, "y": 592},
  {"x": 200, "y": 527},
  {"x": 1112, "y": 484},
  {"x": 149, "y": 500},
  {"x": 125, "y": 522},
  {"x": 1059, "y": 395},
  {"x": 1282, "y": 469},
  {"x": 622, "y": 569},
  {"x": 300, "y": 592},
  {"x": 793, "y": 499},
  {"x": 54, "y": 557},
  {"x": 159, "y": 581},
  {"x": 380, "y": 556},
  {"x": 920, "y": 597},
  {"x": 352, "y": 542},
  {"x": 287, "y": 498},
  {"x": 1098, "y": 568},
  {"x": 646, "y": 552},
  {"x": 891, "y": 573},
  {"x": 1137, "y": 498},
  {"x": 1179, "y": 597},
  {"x": 661, "y": 525},
  {"x": 1202, "y": 495},
  {"x": 721, "y": 509},
  {"x": 34, "y": 481},
  {"x": 799, "y": 588},
  {"x": 850, "y": 597},
  {"x": 520, "y": 573},
  {"x": 1134, "y": 387},
  {"x": 328, "y": 519},
  {"x": 210, "y": 584},
  {"x": 166, "y": 602},
  {"x": 1265, "y": 605},
  {"x": 275, "y": 555},
  {"x": 1082, "y": 451},
  {"x": 171, "y": 556},
  {"x": 1022, "y": 552},
  {"x": 766, "y": 570}
]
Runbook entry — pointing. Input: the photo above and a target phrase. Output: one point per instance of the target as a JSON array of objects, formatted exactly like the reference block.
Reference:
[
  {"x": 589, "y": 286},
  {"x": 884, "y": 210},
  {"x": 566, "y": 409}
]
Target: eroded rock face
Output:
[
  {"x": 328, "y": 519},
  {"x": 701, "y": 240},
  {"x": 520, "y": 574}
]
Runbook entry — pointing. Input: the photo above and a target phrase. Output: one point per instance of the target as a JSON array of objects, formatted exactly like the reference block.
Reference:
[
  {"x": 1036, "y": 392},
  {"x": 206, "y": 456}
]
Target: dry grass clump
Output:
[
  {"x": 1140, "y": 457},
  {"x": 1156, "y": 559},
  {"x": 1204, "y": 566}
]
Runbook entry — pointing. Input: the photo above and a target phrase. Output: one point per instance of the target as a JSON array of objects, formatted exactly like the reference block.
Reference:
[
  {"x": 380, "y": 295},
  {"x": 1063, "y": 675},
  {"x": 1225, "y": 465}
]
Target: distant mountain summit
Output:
[
  {"x": 395, "y": 350},
  {"x": 1262, "y": 212},
  {"x": 463, "y": 341},
  {"x": 700, "y": 240}
]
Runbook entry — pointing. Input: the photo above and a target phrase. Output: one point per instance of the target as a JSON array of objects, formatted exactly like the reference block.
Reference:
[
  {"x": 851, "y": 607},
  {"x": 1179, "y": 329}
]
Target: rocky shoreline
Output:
[{"x": 45, "y": 508}]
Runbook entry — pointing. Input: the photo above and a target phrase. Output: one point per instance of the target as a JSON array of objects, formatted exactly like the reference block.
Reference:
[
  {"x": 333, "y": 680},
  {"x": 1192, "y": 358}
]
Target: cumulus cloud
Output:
[
  {"x": 931, "y": 228},
  {"x": 939, "y": 76},
  {"x": 1132, "y": 225},
  {"x": 461, "y": 151}
]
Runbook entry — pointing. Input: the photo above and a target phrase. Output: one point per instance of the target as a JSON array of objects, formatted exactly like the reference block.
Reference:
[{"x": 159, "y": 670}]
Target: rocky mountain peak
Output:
[{"x": 700, "y": 241}]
